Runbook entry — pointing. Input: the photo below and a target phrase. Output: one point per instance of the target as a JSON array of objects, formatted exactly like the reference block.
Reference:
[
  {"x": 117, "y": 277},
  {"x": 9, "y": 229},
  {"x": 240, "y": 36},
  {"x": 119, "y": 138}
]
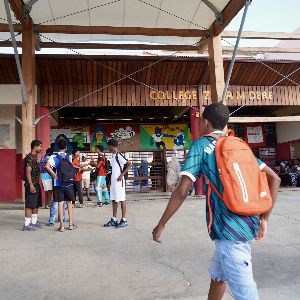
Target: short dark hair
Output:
[
  {"x": 49, "y": 151},
  {"x": 217, "y": 114},
  {"x": 61, "y": 144},
  {"x": 112, "y": 142},
  {"x": 74, "y": 151},
  {"x": 35, "y": 143},
  {"x": 100, "y": 147}
]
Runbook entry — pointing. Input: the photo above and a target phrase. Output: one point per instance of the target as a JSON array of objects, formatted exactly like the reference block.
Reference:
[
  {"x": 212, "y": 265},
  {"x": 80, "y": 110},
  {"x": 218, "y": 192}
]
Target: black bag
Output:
[
  {"x": 125, "y": 165},
  {"x": 65, "y": 170},
  {"x": 108, "y": 166},
  {"x": 94, "y": 174}
]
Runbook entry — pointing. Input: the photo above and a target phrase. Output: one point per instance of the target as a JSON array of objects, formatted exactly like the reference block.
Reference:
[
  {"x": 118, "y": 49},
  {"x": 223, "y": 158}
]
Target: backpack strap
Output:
[
  {"x": 118, "y": 162},
  {"x": 123, "y": 156},
  {"x": 211, "y": 188},
  {"x": 64, "y": 158}
]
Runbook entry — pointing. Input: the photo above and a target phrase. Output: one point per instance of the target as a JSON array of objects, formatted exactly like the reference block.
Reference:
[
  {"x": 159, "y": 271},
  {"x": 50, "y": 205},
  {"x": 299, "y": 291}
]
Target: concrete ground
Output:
[{"x": 93, "y": 262}]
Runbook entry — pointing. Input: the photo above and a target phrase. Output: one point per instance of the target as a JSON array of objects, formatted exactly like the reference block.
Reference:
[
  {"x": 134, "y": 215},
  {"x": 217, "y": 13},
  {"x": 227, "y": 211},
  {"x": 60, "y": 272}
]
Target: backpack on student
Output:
[
  {"x": 23, "y": 167},
  {"x": 65, "y": 170},
  {"x": 108, "y": 166},
  {"x": 245, "y": 187},
  {"x": 125, "y": 165}
]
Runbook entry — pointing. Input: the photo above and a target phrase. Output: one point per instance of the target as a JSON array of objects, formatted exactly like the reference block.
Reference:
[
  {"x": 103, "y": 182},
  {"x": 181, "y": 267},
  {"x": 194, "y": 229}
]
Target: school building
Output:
[
  {"x": 150, "y": 96},
  {"x": 164, "y": 109}
]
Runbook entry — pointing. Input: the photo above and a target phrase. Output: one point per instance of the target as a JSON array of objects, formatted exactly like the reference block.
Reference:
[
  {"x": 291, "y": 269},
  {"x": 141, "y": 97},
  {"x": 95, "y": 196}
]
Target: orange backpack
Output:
[{"x": 245, "y": 187}]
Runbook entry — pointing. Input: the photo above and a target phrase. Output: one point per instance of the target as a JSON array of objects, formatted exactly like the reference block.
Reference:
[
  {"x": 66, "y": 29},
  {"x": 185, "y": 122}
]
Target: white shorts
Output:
[
  {"x": 86, "y": 183},
  {"x": 118, "y": 190},
  {"x": 47, "y": 185}
]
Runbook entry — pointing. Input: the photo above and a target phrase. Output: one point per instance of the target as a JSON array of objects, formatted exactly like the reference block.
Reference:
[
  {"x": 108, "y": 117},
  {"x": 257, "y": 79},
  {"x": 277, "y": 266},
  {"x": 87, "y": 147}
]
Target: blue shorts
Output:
[{"x": 232, "y": 263}]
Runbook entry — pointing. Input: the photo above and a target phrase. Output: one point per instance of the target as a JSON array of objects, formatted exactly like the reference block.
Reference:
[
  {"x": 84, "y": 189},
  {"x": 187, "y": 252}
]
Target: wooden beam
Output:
[
  {"x": 108, "y": 46},
  {"x": 76, "y": 29},
  {"x": 261, "y": 50},
  {"x": 17, "y": 6},
  {"x": 216, "y": 68},
  {"x": 188, "y": 48},
  {"x": 4, "y": 27},
  {"x": 203, "y": 46},
  {"x": 264, "y": 119},
  {"x": 262, "y": 35},
  {"x": 229, "y": 12}
]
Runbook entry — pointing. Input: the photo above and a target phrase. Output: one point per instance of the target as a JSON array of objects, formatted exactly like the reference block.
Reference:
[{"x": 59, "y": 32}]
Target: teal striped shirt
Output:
[{"x": 226, "y": 225}]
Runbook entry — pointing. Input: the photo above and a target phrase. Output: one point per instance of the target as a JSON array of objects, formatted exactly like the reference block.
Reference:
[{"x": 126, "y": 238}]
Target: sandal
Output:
[
  {"x": 72, "y": 227},
  {"x": 61, "y": 229}
]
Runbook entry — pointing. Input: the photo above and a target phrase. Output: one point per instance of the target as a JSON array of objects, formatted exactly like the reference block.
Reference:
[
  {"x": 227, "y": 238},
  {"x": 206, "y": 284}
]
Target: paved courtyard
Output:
[{"x": 93, "y": 262}]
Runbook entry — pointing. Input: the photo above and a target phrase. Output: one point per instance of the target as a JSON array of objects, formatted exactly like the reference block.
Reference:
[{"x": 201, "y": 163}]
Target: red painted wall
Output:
[
  {"x": 8, "y": 175},
  {"x": 18, "y": 176},
  {"x": 283, "y": 151}
]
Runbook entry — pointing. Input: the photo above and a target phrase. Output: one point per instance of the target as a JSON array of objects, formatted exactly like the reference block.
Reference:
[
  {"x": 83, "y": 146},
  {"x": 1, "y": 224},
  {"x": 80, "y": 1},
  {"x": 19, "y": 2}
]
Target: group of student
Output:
[
  {"x": 64, "y": 174},
  {"x": 289, "y": 172},
  {"x": 238, "y": 204}
]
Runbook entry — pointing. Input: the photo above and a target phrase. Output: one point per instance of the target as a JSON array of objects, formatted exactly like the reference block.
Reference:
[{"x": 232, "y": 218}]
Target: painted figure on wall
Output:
[
  {"x": 171, "y": 137},
  {"x": 179, "y": 139},
  {"x": 157, "y": 138},
  {"x": 99, "y": 138},
  {"x": 79, "y": 138}
]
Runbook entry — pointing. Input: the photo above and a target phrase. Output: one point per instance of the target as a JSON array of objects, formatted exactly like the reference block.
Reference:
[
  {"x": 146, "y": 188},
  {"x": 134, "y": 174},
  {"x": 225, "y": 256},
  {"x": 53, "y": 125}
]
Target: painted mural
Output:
[
  {"x": 76, "y": 137},
  {"x": 130, "y": 137},
  {"x": 171, "y": 137}
]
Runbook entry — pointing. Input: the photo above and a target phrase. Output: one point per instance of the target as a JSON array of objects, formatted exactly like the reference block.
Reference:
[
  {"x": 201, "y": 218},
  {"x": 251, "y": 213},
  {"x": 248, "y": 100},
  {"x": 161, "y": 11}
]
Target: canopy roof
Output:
[{"x": 166, "y": 22}]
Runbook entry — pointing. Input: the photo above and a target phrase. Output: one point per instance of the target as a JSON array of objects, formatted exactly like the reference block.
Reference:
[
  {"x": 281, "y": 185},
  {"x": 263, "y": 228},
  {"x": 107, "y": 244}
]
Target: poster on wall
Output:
[
  {"x": 255, "y": 136},
  {"x": 76, "y": 137},
  {"x": 128, "y": 136},
  {"x": 171, "y": 137}
]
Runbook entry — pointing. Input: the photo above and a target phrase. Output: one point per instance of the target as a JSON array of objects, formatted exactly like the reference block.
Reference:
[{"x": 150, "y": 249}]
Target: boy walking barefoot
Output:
[
  {"x": 33, "y": 193},
  {"x": 232, "y": 233},
  {"x": 120, "y": 166}
]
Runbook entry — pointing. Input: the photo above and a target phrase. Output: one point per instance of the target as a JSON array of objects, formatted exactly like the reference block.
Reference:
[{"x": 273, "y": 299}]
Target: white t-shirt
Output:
[
  {"x": 86, "y": 174},
  {"x": 116, "y": 171}
]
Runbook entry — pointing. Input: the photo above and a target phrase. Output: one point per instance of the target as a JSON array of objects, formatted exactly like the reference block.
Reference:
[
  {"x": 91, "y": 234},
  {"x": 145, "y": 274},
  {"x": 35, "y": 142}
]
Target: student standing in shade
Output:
[
  {"x": 47, "y": 180},
  {"x": 232, "y": 233},
  {"x": 101, "y": 185},
  {"x": 62, "y": 191},
  {"x": 120, "y": 166},
  {"x": 33, "y": 193},
  {"x": 78, "y": 178}
]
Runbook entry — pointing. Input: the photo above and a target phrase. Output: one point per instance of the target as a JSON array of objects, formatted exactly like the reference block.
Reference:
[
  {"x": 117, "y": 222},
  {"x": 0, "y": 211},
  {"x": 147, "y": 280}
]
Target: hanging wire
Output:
[
  {"x": 266, "y": 90},
  {"x": 112, "y": 83}
]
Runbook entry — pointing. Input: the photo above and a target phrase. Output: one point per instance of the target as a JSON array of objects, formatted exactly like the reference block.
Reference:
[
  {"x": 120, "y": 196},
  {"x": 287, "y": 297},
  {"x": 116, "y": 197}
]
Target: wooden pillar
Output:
[
  {"x": 43, "y": 130},
  {"x": 216, "y": 68},
  {"x": 28, "y": 68}
]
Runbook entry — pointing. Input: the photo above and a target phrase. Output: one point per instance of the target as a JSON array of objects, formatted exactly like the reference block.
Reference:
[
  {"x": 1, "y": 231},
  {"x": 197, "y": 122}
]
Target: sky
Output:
[{"x": 268, "y": 16}]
